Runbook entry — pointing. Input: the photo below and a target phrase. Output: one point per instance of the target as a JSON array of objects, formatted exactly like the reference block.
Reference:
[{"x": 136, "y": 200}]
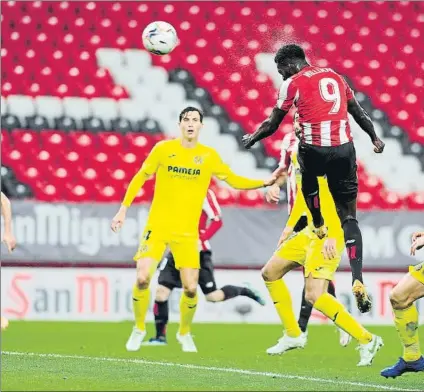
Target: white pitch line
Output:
[{"x": 212, "y": 369}]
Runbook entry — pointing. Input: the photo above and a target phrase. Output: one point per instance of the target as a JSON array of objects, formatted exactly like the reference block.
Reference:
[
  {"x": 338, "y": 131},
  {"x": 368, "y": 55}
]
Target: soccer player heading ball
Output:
[
  {"x": 323, "y": 100},
  {"x": 183, "y": 169}
]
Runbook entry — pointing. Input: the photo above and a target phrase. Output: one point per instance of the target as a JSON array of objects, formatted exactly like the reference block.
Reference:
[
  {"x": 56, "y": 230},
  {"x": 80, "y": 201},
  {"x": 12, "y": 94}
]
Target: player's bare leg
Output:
[
  {"x": 272, "y": 274},
  {"x": 316, "y": 294},
  {"x": 353, "y": 241},
  {"x": 402, "y": 298},
  {"x": 188, "y": 304},
  {"x": 145, "y": 269}
]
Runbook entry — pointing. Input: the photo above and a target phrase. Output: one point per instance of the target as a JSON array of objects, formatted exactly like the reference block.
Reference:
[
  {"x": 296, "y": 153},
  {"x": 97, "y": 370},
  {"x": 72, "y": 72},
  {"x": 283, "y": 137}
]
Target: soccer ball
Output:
[{"x": 160, "y": 38}]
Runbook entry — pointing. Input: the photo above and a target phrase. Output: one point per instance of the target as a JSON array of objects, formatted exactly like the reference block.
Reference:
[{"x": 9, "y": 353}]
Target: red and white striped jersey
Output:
[
  {"x": 288, "y": 148},
  {"x": 210, "y": 220},
  {"x": 320, "y": 96}
]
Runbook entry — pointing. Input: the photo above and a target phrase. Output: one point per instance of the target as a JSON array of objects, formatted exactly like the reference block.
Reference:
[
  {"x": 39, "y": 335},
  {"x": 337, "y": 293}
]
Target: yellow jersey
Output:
[
  {"x": 183, "y": 176},
  {"x": 328, "y": 207}
]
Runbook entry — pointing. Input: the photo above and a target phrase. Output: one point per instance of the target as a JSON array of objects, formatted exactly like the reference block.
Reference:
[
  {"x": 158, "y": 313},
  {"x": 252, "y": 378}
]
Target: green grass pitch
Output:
[{"x": 59, "y": 356}]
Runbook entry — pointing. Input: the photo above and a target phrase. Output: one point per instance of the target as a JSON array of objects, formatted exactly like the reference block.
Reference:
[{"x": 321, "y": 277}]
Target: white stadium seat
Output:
[
  {"x": 131, "y": 80},
  {"x": 77, "y": 108},
  {"x": 156, "y": 78},
  {"x": 20, "y": 105},
  {"x": 104, "y": 108},
  {"x": 132, "y": 109},
  {"x": 109, "y": 58},
  {"x": 49, "y": 107},
  {"x": 137, "y": 59},
  {"x": 172, "y": 94}
]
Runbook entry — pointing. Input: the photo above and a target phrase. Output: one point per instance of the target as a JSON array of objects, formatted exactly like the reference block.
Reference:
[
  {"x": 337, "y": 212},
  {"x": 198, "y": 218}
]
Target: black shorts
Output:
[
  {"x": 338, "y": 163},
  {"x": 169, "y": 276}
]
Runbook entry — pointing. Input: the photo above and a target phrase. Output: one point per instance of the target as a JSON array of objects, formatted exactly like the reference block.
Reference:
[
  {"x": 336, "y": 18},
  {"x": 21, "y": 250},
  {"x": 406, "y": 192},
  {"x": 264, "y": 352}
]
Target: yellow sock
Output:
[
  {"x": 406, "y": 322},
  {"x": 336, "y": 312},
  {"x": 283, "y": 304},
  {"x": 187, "y": 309},
  {"x": 140, "y": 306}
]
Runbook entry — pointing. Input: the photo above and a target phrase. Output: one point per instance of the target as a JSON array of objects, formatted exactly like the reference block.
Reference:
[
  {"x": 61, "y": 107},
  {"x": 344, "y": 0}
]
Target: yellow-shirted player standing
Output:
[
  {"x": 320, "y": 258},
  {"x": 183, "y": 169},
  {"x": 402, "y": 298},
  {"x": 7, "y": 237},
  {"x": 289, "y": 168}
]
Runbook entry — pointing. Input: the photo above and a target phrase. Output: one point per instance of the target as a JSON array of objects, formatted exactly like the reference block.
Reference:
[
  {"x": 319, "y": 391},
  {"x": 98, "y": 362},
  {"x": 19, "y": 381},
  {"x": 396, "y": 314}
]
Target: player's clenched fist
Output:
[
  {"x": 378, "y": 146},
  {"x": 118, "y": 219},
  {"x": 247, "y": 141}
]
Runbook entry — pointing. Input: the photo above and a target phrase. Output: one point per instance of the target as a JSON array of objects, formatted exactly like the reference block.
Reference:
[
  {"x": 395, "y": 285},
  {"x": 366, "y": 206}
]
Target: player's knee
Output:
[
  {"x": 312, "y": 295},
  {"x": 213, "y": 296},
  {"x": 143, "y": 280},
  {"x": 399, "y": 300},
  {"x": 162, "y": 293},
  {"x": 349, "y": 220},
  {"x": 267, "y": 274},
  {"x": 190, "y": 289}
]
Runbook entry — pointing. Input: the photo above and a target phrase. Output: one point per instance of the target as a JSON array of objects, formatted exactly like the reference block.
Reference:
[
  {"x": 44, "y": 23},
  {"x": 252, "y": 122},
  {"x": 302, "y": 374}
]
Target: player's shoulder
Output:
[
  {"x": 161, "y": 144},
  {"x": 165, "y": 145},
  {"x": 207, "y": 150}
]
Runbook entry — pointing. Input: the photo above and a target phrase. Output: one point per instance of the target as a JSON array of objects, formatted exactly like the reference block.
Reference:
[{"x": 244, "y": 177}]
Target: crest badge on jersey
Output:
[
  {"x": 198, "y": 160},
  {"x": 419, "y": 267},
  {"x": 143, "y": 248}
]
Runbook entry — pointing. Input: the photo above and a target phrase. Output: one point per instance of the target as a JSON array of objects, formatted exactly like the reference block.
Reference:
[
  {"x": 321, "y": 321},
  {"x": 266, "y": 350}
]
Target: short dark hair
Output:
[
  {"x": 289, "y": 52},
  {"x": 191, "y": 109}
]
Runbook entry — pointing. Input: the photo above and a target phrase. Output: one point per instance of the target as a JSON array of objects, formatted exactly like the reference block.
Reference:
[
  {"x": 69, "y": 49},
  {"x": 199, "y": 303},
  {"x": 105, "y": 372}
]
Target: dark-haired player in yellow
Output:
[
  {"x": 183, "y": 169},
  {"x": 320, "y": 259}
]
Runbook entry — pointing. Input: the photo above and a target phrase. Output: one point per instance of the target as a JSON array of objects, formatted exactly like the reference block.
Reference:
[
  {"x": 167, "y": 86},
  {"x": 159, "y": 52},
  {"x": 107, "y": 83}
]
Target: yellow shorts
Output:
[
  {"x": 185, "y": 250},
  {"x": 417, "y": 271},
  {"x": 305, "y": 249}
]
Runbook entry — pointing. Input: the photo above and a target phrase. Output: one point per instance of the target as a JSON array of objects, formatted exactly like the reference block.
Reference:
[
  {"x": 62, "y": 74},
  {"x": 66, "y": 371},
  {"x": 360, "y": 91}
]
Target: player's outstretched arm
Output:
[
  {"x": 224, "y": 173},
  {"x": 267, "y": 128},
  {"x": 149, "y": 168},
  {"x": 240, "y": 182},
  {"x": 6, "y": 211},
  {"x": 364, "y": 121}
]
